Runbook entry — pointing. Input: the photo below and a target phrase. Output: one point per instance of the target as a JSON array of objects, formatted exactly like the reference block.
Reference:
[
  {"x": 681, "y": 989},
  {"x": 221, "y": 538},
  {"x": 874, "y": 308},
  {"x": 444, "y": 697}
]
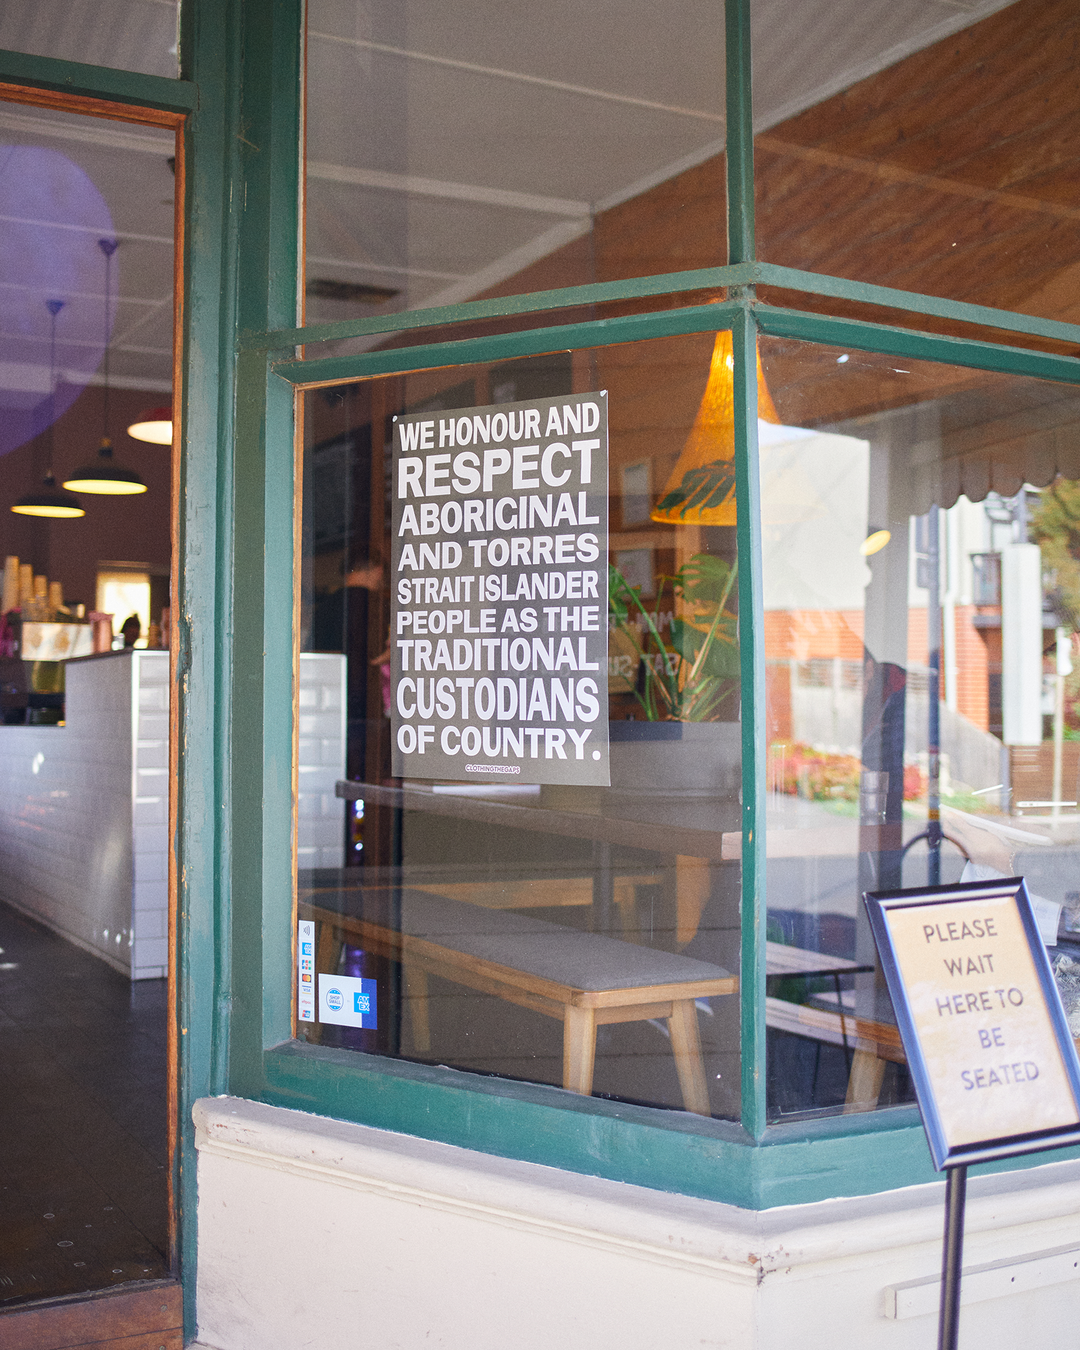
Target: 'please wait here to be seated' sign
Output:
[{"x": 985, "y": 1034}]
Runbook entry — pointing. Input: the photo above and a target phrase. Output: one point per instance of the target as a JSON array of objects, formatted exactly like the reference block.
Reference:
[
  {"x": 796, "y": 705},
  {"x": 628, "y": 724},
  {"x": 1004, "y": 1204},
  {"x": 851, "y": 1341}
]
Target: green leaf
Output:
[{"x": 707, "y": 485}]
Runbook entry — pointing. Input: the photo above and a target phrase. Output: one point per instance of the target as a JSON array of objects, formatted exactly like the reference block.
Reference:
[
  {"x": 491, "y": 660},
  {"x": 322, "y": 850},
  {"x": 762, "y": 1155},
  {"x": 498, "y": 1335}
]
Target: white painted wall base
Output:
[{"x": 319, "y": 1233}]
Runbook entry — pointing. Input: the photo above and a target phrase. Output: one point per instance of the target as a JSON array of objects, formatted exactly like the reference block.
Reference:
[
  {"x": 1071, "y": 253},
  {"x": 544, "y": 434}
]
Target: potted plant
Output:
[
  {"x": 694, "y": 674},
  {"x": 686, "y": 681}
]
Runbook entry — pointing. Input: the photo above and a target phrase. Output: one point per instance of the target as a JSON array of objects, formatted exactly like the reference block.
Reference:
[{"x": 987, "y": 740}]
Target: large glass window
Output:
[
  {"x": 917, "y": 627},
  {"x": 920, "y": 623},
  {"x": 507, "y": 150},
  {"x": 519, "y": 668},
  {"x": 135, "y": 35},
  {"x": 927, "y": 147}
]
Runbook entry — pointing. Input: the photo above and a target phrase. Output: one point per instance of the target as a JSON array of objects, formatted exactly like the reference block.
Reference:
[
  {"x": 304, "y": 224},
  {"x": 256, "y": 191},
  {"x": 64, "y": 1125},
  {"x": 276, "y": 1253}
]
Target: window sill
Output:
[{"x": 795, "y": 1163}]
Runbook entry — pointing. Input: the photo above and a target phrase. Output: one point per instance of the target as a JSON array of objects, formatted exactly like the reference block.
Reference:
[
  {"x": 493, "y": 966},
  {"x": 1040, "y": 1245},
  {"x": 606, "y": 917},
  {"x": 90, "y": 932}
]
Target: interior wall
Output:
[{"x": 122, "y": 529}]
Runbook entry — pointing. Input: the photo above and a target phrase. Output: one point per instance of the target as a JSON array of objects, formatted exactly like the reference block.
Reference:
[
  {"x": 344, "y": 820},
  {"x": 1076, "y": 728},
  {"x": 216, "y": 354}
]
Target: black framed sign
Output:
[{"x": 986, "y": 1038}]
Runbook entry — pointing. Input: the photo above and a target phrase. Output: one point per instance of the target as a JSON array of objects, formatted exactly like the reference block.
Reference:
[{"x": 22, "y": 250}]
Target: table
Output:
[{"x": 656, "y": 823}]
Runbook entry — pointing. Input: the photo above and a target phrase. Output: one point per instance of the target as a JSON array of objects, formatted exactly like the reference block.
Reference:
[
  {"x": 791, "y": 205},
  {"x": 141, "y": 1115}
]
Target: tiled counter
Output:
[
  {"x": 321, "y": 753},
  {"x": 84, "y": 807}
]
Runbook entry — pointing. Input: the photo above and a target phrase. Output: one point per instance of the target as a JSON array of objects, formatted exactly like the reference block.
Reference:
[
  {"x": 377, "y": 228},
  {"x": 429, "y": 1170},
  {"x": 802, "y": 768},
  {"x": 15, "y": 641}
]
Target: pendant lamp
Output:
[
  {"x": 154, "y": 425},
  {"x": 49, "y": 501},
  {"x": 701, "y": 489},
  {"x": 104, "y": 476}
]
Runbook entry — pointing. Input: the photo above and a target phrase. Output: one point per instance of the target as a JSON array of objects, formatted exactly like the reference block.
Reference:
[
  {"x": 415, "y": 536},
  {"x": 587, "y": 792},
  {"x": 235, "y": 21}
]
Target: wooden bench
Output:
[
  {"x": 869, "y": 1042},
  {"x": 582, "y": 979},
  {"x": 872, "y": 1044}
]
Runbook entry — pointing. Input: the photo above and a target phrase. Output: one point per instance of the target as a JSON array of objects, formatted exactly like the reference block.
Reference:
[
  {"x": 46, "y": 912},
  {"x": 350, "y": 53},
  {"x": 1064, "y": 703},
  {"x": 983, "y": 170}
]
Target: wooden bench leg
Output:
[
  {"x": 416, "y": 991},
  {"x": 686, "y": 1045},
  {"x": 693, "y": 884},
  {"x": 328, "y": 949},
  {"x": 626, "y": 903},
  {"x": 864, "y": 1082},
  {"x": 579, "y": 1049}
]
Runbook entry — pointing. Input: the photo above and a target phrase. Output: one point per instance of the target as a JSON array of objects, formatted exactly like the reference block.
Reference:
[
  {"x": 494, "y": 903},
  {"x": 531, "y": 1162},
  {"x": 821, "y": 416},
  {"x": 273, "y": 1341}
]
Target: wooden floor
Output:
[
  {"x": 83, "y": 1147},
  {"x": 144, "y": 1319}
]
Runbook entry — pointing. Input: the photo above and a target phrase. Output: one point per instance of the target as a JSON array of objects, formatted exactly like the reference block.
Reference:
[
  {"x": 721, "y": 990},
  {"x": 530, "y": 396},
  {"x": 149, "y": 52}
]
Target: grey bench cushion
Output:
[{"x": 563, "y": 955}]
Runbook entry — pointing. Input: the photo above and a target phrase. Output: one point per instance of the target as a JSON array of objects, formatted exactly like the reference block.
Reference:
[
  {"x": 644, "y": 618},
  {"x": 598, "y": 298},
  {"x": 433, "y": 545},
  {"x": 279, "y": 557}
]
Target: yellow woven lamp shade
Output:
[{"x": 701, "y": 489}]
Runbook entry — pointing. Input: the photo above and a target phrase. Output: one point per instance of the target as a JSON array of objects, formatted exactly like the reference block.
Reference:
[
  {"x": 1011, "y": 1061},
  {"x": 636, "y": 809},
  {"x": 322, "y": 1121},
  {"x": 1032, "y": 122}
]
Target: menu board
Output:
[
  {"x": 499, "y": 623},
  {"x": 979, "y": 1014}
]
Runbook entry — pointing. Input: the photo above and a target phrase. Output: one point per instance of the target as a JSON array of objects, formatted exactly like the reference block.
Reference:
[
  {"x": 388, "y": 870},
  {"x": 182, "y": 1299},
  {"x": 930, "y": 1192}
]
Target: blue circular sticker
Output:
[{"x": 335, "y": 999}]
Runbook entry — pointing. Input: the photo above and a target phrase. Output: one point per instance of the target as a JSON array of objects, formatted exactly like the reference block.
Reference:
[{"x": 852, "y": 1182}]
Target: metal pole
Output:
[
  {"x": 603, "y": 887},
  {"x": 1062, "y": 667},
  {"x": 1059, "y": 737},
  {"x": 933, "y": 737},
  {"x": 952, "y": 1258}
]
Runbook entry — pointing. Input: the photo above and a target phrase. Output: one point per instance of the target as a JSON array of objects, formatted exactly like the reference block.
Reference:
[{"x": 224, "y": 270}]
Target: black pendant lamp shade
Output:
[
  {"x": 104, "y": 477},
  {"x": 49, "y": 501}
]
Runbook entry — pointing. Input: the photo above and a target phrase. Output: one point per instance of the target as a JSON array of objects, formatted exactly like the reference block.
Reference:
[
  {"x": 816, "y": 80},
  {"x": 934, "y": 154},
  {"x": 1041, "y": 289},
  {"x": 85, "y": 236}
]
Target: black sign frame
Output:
[{"x": 879, "y": 906}]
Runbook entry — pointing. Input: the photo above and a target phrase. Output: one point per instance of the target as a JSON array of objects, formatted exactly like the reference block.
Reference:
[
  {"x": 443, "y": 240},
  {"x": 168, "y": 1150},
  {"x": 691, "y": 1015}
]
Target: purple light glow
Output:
[{"x": 51, "y": 219}]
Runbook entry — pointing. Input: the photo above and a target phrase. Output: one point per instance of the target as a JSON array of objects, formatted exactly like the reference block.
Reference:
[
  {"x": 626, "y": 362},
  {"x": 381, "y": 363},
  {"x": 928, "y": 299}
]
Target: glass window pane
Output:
[
  {"x": 920, "y": 592},
  {"x": 465, "y": 150},
  {"x": 483, "y": 898},
  {"x": 137, "y": 35},
  {"x": 926, "y": 147}
]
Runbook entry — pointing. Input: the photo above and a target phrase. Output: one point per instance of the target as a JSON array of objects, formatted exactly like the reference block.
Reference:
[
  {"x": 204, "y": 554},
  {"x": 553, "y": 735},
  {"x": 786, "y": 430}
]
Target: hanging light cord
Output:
[
  {"x": 108, "y": 247},
  {"x": 54, "y": 307}
]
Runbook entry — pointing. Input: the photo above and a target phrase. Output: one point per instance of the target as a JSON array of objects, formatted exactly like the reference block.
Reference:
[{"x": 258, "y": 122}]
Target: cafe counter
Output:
[{"x": 84, "y": 814}]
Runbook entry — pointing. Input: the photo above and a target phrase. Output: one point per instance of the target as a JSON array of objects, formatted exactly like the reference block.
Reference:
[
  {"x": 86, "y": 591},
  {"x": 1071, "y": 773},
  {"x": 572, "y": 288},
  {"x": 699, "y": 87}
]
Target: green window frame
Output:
[
  {"x": 241, "y": 88},
  {"x": 743, "y": 1163}
]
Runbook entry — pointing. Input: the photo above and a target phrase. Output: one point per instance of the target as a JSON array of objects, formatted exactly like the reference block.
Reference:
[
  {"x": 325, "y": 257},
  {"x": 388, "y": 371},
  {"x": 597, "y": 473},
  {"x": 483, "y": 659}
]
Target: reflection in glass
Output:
[
  {"x": 507, "y": 153},
  {"x": 124, "y": 34},
  {"x": 565, "y": 934},
  {"x": 918, "y": 627},
  {"x": 926, "y": 147}
]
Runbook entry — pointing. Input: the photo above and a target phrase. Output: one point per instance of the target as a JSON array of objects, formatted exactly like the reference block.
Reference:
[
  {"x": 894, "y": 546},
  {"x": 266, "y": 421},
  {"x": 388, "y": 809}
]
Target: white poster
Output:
[{"x": 499, "y": 619}]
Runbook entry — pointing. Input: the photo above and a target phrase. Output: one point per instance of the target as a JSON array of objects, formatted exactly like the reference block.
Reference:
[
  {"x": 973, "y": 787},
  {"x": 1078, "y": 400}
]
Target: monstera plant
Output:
[{"x": 692, "y": 673}]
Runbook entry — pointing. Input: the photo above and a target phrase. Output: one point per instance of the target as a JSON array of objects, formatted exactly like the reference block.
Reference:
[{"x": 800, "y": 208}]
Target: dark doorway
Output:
[{"x": 87, "y": 265}]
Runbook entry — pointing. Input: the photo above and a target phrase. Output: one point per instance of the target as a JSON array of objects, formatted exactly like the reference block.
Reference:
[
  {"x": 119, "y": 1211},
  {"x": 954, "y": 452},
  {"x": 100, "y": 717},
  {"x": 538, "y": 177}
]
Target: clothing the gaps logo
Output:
[{"x": 499, "y": 616}]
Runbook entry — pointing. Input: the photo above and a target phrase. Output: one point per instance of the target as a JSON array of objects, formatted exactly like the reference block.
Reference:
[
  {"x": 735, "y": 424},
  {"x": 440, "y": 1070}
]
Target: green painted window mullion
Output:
[
  {"x": 279, "y": 633},
  {"x": 115, "y": 86},
  {"x": 752, "y": 660},
  {"x": 672, "y": 283},
  {"x": 504, "y": 346},
  {"x": 210, "y": 43},
  {"x": 739, "y": 132},
  {"x": 248, "y": 807},
  {"x": 864, "y": 292},
  {"x": 908, "y": 342},
  {"x": 260, "y": 802},
  {"x": 533, "y": 302}
]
